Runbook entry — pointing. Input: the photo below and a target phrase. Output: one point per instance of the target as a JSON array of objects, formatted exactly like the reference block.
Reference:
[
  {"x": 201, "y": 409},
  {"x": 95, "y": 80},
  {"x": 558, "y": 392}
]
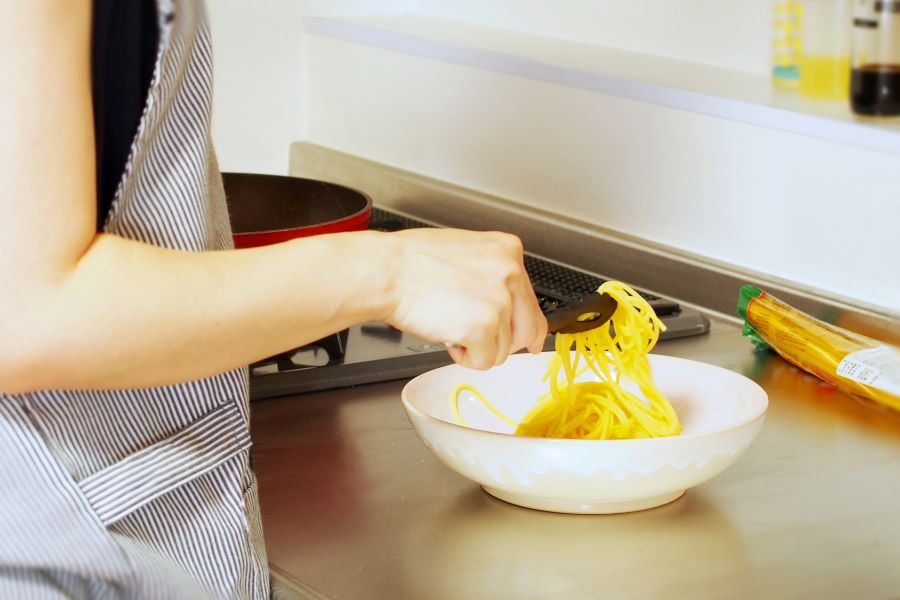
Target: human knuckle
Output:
[
  {"x": 503, "y": 270},
  {"x": 507, "y": 241},
  {"x": 515, "y": 243}
]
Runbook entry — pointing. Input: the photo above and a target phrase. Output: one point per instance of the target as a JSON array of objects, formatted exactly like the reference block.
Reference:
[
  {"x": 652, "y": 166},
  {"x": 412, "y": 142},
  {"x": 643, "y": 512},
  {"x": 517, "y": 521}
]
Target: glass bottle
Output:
[
  {"x": 786, "y": 41},
  {"x": 875, "y": 87},
  {"x": 825, "y": 55}
]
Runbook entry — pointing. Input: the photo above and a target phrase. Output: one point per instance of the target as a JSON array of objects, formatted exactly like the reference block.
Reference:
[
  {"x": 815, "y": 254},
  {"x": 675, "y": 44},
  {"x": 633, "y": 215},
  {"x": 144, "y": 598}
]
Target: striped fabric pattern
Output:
[
  {"x": 142, "y": 493},
  {"x": 143, "y": 476}
]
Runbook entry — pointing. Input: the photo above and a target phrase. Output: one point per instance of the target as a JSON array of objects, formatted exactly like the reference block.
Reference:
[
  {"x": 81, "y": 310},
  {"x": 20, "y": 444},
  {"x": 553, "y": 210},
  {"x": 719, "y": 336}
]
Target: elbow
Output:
[
  {"x": 40, "y": 328},
  {"x": 18, "y": 373},
  {"x": 28, "y": 349}
]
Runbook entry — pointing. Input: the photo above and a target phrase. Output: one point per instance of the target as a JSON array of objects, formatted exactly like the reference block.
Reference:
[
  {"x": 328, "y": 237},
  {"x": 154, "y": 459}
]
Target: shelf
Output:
[{"x": 704, "y": 89}]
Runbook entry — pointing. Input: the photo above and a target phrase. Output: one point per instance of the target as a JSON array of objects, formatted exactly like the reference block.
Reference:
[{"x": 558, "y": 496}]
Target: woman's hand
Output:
[{"x": 468, "y": 289}]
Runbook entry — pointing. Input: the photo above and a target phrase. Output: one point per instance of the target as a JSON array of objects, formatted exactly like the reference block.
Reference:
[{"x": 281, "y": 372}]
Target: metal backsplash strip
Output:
[{"x": 691, "y": 280}]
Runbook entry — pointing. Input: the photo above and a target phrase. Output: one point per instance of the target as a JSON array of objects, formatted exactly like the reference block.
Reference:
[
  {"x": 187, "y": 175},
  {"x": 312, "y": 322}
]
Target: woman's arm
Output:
[{"x": 82, "y": 310}]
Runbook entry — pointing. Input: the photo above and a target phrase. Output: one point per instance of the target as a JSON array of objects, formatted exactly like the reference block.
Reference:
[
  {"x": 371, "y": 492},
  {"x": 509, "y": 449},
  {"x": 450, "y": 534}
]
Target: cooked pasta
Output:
[{"x": 602, "y": 408}]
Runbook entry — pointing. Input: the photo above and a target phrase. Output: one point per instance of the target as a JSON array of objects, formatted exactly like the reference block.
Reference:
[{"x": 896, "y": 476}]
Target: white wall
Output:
[
  {"x": 259, "y": 46},
  {"x": 812, "y": 211},
  {"x": 257, "y": 82},
  {"x": 258, "y": 107},
  {"x": 807, "y": 210},
  {"x": 730, "y": 33}
]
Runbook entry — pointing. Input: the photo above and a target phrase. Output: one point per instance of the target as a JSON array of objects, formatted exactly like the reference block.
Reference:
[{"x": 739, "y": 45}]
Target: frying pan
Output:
[{"x": 268, "y": 209}]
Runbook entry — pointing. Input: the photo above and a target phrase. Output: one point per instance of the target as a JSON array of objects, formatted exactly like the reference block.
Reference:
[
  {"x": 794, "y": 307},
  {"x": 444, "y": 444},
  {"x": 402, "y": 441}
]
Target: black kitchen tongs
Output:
[{"x": 580, "y": 314}]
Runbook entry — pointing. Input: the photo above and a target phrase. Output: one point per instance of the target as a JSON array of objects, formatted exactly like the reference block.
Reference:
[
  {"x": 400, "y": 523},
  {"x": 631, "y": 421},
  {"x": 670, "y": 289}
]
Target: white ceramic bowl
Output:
[{"x": 721, "y": 412}]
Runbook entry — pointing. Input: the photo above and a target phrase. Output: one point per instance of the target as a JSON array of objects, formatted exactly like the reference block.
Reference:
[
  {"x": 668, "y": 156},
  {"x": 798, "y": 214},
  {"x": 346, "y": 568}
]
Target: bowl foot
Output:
[{"x": 584, "y": 507}]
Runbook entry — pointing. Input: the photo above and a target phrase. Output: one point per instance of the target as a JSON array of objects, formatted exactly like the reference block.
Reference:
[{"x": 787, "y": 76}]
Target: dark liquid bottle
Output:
[
  {"x": 875, "y": 90},
  {"x": 875, "y": 78}
]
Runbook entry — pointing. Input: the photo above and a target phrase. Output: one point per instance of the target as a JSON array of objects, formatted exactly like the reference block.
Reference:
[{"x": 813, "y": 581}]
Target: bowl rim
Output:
[{"x": 690, "y": 436}]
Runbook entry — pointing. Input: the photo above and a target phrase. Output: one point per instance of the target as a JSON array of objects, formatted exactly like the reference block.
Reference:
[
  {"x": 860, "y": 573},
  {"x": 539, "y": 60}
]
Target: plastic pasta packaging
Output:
[{"x": 853, "y": 363}]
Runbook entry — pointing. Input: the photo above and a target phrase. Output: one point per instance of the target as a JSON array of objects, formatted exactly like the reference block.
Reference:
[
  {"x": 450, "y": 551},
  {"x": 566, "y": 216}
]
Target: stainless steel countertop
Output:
[{"x": 354, "y": 506}]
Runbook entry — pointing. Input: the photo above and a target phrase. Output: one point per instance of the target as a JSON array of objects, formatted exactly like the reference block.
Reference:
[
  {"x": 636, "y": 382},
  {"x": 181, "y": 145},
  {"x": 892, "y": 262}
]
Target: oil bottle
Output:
[{"x": 825, "y": 56}]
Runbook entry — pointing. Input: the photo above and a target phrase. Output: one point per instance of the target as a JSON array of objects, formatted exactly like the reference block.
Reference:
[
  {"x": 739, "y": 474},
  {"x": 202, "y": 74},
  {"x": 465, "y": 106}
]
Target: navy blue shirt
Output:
[{"x": 124, "y": 39}]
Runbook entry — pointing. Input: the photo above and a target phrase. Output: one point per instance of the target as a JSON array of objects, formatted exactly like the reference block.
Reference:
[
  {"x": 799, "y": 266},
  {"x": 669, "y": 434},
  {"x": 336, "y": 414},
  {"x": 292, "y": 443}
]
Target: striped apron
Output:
[{"x": 142, "y": 493}]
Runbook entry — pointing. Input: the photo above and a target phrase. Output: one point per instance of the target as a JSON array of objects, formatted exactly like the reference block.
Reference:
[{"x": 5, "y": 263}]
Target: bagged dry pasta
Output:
[{"x": 853, "y": 363}]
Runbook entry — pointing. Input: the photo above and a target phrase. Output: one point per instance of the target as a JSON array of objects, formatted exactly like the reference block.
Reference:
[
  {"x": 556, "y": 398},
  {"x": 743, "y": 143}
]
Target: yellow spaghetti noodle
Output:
[{"x": 616, "y": 354}]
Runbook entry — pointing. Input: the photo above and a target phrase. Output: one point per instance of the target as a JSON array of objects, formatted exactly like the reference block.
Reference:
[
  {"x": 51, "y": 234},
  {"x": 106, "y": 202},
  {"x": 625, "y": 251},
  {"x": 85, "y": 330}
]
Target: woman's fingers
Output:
[
  {"x": 528, "y": 324},
  {"x": 457, "y": 353},
  {"x": 480, "y": 357},
  {"x": 504, "y": 336},
  {"x": 470, "y": 289},
  {"x": 485, "y": 342}
]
